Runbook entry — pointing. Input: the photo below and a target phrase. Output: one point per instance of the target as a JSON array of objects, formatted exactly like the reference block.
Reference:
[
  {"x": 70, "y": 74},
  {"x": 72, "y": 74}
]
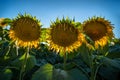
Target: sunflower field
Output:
[{"x": 67, "y": 50}]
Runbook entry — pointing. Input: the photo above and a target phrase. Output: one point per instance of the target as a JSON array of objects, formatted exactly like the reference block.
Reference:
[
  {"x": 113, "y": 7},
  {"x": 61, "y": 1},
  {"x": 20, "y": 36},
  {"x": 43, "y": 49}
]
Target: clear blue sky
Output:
[{"x": 48, "y": 10}]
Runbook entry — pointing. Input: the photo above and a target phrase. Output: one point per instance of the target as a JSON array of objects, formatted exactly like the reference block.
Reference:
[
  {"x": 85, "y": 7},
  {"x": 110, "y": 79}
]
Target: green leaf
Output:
[
  {"x": 4, "y": 58},
  {"x": 47, "y": 72},
  {"x": 72, "y": 55},
  {"x": 6, "y": 74},
  {"x": 77, "y": 74},
  {"x": 31, "y": 61},
  {"x": 85, "y": 54},
  {"x": 110, "y": 69},
  {"x": 44, "y": 73},
  {"x": 114, "y": 52},
  {"x": 59, "y": 74}
]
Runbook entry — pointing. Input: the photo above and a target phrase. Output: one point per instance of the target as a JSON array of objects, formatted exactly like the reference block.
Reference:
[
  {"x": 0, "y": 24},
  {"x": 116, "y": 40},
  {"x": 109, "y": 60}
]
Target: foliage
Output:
[{"x": 45, "y": 64}]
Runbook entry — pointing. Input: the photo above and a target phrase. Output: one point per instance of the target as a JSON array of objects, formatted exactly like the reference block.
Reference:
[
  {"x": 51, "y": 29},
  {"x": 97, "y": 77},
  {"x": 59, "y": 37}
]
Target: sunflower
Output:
[
  {"x": 2, "y": 22},
  {"x": 99, "y": 30},
  {"x": 25, "y": 30},
  {"x": 64, "y": 36}
]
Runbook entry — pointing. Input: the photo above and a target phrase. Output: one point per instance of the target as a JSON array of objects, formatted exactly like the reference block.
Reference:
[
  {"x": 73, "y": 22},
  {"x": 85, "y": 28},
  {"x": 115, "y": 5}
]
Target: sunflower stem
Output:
[
  {"x": 92, "y": 71},
  {"x": 24, "y": 64},
  {"x": 16, "y": 48},
  {"x": 97, "y": 70},
  {"x": 92, "y": 67},
  {"x": 65, "y": 59}
]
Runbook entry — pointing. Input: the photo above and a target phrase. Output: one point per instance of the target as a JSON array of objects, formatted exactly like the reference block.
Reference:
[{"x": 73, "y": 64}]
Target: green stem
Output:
[
  {"x": 16, "y": 48},
  {"x": 91, "y": 67},
  {"x": 24, "y": 64},
  {"x": 92, "y": 71},
  {"x": 97, "y": 70},
  {"x": 65, "y": 59}
]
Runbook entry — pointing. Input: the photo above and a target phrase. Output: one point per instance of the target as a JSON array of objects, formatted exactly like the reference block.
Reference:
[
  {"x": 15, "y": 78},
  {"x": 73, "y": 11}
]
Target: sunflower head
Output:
[
  {"x": 64, "y": 36},
  {"x": 3, "y": 22},
  {"x": 99, "y": 30},
  {"x": 25, "y": 30}
]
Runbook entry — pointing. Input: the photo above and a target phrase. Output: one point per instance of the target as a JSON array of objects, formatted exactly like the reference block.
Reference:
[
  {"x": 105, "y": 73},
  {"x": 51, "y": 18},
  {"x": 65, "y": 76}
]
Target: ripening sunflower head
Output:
[
  {"x": 99, "y": 30},
  {"x": 2, "y": 22},
  {"x": 25, "y": 30},
  {"x": 64, "y": 36}
]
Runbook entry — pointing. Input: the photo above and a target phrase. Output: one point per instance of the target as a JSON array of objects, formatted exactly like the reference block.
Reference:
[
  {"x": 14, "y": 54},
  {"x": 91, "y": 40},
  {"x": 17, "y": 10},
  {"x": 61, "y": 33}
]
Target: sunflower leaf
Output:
[
  {"x": 6, "y": 74},
  {"x": 31, "y": 61},
  {"x": 114, "y": 52},
  {"x": 44, "y": 73},
  {"x": 77, "y": 74},
  {"x": 110, "y": 69}
]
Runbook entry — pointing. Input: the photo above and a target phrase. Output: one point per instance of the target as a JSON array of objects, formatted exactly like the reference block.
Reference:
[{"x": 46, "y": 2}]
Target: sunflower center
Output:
[
  {"x": 64, "y": 35},
  {"x": 26, "y": 29},
  {"x": 95, "y": 30}
]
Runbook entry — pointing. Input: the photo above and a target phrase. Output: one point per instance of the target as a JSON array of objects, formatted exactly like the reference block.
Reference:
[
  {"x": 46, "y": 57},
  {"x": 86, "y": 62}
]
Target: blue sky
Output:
[{"x": 48, "y": 10}]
